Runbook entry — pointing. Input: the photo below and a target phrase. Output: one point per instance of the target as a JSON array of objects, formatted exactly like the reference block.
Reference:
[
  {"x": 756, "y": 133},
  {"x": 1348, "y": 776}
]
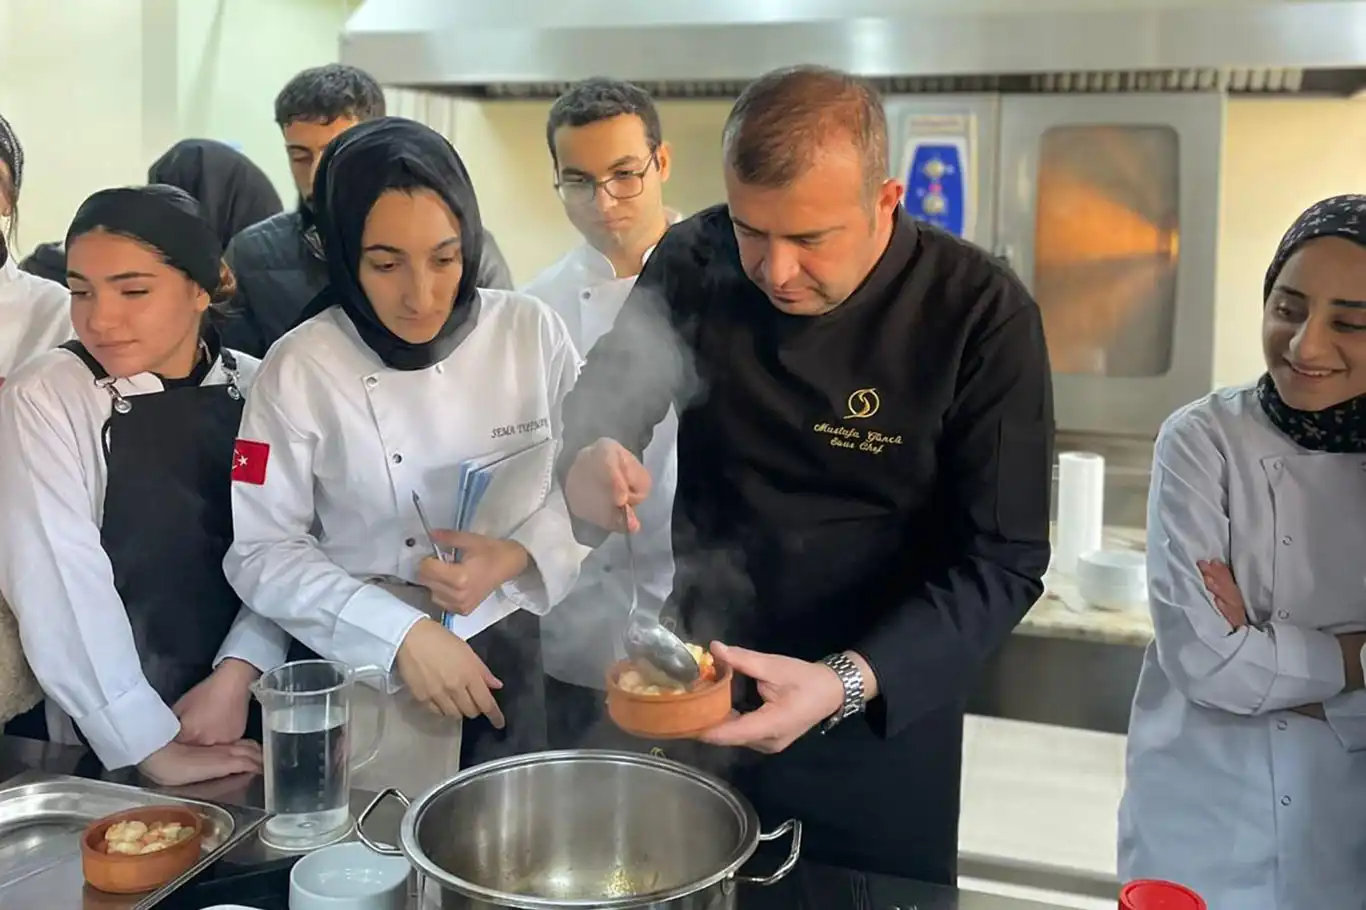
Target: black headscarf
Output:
[
  {"x": 356, "y": 169},
  {"x": 166, "y": 218},
  {"x": 233, "y": 192},
  {"x": 1342, "y": 427}
]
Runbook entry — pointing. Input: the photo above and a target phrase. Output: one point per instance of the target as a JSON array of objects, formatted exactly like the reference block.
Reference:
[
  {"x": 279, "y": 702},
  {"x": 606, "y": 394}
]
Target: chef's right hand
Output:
[
  {"x": 443, "y": 673},
  {"x": 177, "y": 764},
  {"x": 605, "y": 484}
]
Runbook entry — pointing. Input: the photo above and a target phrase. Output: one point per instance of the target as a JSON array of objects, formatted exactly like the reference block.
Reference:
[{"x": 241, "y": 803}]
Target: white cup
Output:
[{"x": 348, "y": 876}]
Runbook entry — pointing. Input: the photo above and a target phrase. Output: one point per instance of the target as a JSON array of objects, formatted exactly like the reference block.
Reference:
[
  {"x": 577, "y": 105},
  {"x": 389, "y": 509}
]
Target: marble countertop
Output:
[{"x": 1061, "y": 613}]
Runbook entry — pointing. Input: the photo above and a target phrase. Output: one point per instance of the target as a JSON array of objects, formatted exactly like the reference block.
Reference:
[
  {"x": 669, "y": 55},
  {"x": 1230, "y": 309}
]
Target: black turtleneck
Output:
[
  {"x": 876, "y": 478},
  {"x": 205, "y": 358}
]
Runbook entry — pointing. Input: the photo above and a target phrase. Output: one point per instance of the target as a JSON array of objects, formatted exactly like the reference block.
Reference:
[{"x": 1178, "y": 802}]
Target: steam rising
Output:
[{"x": 631, "y": 377}]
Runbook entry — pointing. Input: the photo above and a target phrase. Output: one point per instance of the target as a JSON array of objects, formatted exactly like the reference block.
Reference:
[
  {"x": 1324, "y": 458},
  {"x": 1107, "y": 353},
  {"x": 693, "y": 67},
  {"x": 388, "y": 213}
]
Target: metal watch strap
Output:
[{"x": 852, "y": 680}]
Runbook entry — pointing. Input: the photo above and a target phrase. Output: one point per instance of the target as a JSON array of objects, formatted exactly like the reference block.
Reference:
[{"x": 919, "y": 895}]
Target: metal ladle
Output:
[{"x": 649, "y": 643}]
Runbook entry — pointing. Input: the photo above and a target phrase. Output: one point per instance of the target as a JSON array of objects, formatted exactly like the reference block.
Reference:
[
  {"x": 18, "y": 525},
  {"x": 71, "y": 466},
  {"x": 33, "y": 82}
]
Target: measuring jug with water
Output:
[{"x": 309, "y": 754}]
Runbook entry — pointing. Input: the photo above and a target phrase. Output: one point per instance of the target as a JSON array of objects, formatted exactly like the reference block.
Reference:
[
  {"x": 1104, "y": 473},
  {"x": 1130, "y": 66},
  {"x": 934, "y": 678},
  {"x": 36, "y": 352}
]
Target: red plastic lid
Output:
[{"x": 1154, "y": 895}]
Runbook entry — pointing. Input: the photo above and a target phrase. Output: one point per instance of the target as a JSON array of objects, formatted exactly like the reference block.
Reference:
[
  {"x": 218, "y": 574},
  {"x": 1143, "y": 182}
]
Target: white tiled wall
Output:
[{"x": 1040, "y": 794}]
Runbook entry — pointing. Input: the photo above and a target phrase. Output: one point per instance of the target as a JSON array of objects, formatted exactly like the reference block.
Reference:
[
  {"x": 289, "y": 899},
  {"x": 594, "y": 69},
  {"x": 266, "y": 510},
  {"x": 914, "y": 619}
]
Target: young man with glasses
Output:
[{"x": 610, "y": 163}]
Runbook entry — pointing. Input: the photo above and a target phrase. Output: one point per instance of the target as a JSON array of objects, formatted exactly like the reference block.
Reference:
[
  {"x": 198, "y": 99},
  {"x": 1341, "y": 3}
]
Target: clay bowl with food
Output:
[
  {"x": 645, "y": 705},
  {"x": 141, "y": 849}
]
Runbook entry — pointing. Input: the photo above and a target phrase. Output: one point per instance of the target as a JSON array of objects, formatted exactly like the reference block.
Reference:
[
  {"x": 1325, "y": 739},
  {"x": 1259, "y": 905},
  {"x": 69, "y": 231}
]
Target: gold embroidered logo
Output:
[{"x": 862, "y": 404}]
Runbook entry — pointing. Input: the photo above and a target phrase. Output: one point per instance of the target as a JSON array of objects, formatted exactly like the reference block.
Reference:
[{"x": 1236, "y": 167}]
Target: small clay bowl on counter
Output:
[
  {"x": 670, "y": 715},
  {"x": 125, "y": 873}
]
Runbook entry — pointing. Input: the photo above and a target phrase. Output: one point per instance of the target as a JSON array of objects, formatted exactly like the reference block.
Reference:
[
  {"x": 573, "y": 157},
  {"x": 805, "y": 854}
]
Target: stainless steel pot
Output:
[{"x": 581, "y": 829}]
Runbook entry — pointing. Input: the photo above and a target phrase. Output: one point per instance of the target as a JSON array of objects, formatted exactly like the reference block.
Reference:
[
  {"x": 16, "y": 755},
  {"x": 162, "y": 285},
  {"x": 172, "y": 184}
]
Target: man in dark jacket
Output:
[
  {"x": 865, "y": 425},
  {"x": 279, "y": 262}
]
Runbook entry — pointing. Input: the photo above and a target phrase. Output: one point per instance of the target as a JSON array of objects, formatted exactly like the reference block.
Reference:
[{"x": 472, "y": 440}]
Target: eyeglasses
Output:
[{"x": 621, "y": 185}]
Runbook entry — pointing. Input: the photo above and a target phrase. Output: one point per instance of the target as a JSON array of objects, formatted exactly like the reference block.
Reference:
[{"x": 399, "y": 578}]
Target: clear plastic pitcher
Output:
[{"x": 306, "y": 732}]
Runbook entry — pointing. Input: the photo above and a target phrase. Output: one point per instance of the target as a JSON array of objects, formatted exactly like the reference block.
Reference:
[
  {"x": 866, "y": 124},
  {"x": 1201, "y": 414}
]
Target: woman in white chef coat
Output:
[
  {"x": 115, "y": 453},
  {"x": 1247, "y": 742},
  {"x": 34, "y": 317},
  {"x": 406, "y": 371}
]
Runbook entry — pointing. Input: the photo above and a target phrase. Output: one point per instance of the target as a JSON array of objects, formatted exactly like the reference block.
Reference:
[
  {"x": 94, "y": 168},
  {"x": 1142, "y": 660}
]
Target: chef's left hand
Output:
[
  {"x": 797, "y": 694},
  {"x": 215, "y": 711},
  {"x": 485, "y": 563}
]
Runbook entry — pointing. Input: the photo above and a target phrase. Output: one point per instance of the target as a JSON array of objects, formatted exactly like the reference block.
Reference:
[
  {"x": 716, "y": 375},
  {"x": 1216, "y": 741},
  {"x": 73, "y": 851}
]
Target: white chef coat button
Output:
[
  {"x": 1276, "y": 465},
  {"x": 396, "y": 458},
  {"x": 371, "y": 382},
  {"x": 1285, "y": 800},
  {"x": 1281, "y": 725},
  {"x": 585, "y": 294},
  {"x": 1286, "y": 540},
  {"x": 1282, "y": 614},
  {"x": 410, "y": 542}
]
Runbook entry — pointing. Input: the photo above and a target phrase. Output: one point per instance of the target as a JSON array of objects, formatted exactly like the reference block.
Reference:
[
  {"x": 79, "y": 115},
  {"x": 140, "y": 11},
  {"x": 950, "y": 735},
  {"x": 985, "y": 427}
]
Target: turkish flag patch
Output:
[{"x": 249, "y": 460}]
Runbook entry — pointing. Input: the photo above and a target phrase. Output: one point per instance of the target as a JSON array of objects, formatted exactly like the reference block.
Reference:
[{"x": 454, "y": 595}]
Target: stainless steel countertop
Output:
[{"x": 18, "y": 755}]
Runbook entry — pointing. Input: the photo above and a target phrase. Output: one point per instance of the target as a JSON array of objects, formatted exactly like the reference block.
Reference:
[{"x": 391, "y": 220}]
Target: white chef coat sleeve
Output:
[
  {"x": 275, "y": 563},
  {"x": 547, "y": 534},
  {"x": 256, "y": 640},
  {"x": 1254, "y": 669},
  {"x": 1346, "y": 716},
  {"x": 60, "y": 585}
]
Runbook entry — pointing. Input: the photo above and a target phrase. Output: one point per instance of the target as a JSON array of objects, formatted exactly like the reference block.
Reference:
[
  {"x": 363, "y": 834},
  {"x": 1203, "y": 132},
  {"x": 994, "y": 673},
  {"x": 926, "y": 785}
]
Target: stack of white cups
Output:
[{"x": 1081, "y": 508}]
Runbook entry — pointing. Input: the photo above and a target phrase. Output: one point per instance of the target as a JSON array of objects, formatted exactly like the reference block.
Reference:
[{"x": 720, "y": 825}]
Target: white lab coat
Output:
[
  {"x": 582, "y": 637},
  {"x": 326, "y": 544},
  {"x": 35, "y": 316},
  {"x": 55, "y": 574},
  {"x": 1229, "y": 792}
]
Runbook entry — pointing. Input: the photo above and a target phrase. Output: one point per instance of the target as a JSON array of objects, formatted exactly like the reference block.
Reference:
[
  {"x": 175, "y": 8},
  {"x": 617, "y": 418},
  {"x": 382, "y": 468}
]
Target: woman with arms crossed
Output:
[
  {"x": 405, "y": 371},
  {"x": 115, "y": 452},
  {"x": 1236, "y": 786}
]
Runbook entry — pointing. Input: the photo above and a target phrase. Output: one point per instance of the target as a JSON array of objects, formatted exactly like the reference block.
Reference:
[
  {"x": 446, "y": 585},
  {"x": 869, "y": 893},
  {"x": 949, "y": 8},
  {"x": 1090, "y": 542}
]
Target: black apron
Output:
[{"x": 168, "y": 524}]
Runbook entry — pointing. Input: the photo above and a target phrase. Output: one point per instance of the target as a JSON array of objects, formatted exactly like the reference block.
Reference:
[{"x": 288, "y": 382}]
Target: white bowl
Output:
[
  {"x": 349, "y": 877},
  {"x": 1113, "y": 579}
]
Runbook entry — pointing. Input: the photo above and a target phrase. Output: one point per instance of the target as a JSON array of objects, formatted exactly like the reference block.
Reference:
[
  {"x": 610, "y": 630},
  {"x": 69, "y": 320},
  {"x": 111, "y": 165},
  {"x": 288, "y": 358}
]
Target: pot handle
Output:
[
  {"x": 793, "y": 855},
  {"x": 388, "y": 849}
]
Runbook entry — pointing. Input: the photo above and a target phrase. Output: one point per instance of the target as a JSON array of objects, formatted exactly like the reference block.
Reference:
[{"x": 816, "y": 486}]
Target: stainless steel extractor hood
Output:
[{"x": 710, "y": 48}]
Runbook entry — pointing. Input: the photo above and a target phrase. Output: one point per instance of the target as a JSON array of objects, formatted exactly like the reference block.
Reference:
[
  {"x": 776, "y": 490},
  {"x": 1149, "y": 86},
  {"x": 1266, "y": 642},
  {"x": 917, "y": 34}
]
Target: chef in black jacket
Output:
[{"x": 864, "y": 452}]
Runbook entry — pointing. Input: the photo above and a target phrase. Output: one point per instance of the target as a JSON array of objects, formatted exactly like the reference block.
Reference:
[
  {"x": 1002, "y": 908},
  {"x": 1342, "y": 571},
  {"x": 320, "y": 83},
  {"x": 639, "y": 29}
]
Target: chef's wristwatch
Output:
[{"x": 852, "y": 680}]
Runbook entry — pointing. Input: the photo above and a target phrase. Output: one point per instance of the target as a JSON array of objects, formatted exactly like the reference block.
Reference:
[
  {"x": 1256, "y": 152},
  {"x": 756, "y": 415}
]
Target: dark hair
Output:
[
  {"x": 221, "y": 298},
  {"x": 10, "y": 239},
  {"x": 324, "y": 93},
  {"x": 600, "y": 98},
  {"x": 12, "y": 156},
  {"x": 783, "y": 118}
]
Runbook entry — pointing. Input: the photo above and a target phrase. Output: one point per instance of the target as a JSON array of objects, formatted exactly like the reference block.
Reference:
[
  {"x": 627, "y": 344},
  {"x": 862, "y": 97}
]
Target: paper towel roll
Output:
[{"x": 1081, "y": 507}]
